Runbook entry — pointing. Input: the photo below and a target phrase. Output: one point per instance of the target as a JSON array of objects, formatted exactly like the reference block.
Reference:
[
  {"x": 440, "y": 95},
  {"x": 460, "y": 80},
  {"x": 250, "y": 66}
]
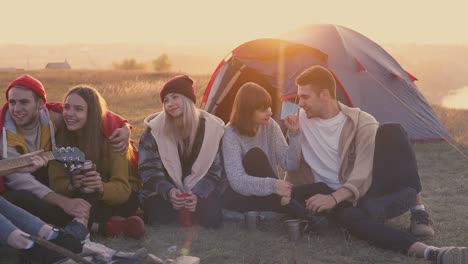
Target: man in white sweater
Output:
[{"x": 363, "y": 174}]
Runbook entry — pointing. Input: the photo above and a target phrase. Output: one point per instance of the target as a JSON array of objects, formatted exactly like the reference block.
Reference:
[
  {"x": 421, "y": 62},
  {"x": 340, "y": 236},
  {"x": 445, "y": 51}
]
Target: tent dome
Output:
[{"x": 367, "y": 76}]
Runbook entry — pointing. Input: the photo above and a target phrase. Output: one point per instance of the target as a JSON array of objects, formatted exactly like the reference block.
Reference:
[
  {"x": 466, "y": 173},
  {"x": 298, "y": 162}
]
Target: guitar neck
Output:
[{"x": 18, "y": 162}]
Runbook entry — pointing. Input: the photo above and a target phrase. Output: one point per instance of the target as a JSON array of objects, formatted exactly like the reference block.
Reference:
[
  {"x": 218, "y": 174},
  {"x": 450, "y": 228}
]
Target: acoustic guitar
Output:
[{"x": 71, "y": 157}]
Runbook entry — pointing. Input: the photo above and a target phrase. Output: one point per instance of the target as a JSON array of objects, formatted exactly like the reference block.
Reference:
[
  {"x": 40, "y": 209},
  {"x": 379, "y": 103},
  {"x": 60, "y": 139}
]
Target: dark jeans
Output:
[
  {"x": 46, "y": 212},
  {"x": 101, "y": 212},
  {"x": 256, "y": 164},
  {"x": 394, "y": 161},
  {"x": 207, "y": 213},
  {"x": 29, "y": 202},
  {"x": 394, "y": 168},
  {"x": 42, "y": 175}
]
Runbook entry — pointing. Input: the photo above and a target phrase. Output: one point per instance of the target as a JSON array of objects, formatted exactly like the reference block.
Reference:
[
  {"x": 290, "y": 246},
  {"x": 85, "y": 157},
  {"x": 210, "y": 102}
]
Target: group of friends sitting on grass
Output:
[{"x": 189, "y": 166}]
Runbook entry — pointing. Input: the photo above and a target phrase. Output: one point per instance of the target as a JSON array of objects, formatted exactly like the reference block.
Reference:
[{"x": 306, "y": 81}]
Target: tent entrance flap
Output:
[
  {"x": 219, "y": 82},
  {"x": 282, "y": 71},
  {"x": 225, "y": 102},
  {"x": 227, "y": 89}
]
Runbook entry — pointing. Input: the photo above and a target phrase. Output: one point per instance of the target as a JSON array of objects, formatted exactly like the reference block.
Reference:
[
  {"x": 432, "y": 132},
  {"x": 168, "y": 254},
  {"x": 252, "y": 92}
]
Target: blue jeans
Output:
[{"x": 13, "y": 217}]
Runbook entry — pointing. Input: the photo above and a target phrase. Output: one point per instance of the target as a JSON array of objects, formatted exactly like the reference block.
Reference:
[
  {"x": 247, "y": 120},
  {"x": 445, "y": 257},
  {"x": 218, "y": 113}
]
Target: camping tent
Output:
[{"x": 367, "y": 76}]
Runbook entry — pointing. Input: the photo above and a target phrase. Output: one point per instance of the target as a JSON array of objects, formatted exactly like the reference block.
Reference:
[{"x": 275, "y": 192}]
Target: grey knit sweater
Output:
[{"x": 268, "y": 138}]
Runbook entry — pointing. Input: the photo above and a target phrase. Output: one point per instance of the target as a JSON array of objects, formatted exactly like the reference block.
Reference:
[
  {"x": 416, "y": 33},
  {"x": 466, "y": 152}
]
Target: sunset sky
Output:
[{"x": 225, "y": 22}]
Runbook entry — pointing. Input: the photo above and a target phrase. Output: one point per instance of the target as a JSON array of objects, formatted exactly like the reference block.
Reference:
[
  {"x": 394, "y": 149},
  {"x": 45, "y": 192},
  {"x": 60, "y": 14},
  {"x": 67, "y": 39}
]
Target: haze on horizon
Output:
[{"x": 217, "y": 23}]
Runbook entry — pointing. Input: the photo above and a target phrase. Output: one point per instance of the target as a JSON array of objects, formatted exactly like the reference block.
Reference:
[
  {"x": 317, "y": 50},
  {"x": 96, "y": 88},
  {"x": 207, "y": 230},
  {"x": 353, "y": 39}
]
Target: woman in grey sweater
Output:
[{"x": 253, "y": 147}]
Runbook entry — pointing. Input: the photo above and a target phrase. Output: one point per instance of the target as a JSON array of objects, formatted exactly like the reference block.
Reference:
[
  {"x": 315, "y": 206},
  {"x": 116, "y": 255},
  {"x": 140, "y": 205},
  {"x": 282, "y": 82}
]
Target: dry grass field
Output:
[
  {"x": 132, "y": 94},
  {"x": 443, "y": 170}
]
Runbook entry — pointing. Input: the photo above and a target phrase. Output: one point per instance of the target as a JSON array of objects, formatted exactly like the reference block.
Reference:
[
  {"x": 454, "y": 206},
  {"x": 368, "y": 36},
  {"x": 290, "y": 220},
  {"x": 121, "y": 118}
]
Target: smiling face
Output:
[
  {"x": 24, "y": 107},
  {"x": 75, "y": 112},
  {"x": 310, "y": 101},
  {"x": 173, "y": 104}
]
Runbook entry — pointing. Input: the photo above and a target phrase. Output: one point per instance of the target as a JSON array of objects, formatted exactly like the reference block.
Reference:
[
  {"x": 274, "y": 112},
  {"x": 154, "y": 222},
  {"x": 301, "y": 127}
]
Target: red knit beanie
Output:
[
  {"x": 181, "y": 84},
  {"x": 28, "y": 82}
]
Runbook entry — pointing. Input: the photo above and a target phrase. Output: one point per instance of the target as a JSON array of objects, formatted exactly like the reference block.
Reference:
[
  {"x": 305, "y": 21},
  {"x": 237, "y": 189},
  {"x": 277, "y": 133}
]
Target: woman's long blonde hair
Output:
[{"x": 183, "y": 128}]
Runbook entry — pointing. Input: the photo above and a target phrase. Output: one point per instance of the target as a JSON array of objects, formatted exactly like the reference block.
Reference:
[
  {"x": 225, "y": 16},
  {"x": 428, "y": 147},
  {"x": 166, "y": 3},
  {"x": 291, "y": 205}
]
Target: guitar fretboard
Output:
[{"x": 18, "y": 162}]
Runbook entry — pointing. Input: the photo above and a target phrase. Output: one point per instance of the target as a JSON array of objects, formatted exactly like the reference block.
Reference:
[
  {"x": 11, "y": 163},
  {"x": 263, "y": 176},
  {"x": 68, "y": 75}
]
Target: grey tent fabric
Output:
[{"x": 367, "y": 76}]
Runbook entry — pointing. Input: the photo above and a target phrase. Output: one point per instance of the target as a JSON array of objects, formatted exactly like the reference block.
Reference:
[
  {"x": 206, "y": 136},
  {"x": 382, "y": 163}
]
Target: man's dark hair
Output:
[{"x": 320, "y": 78}]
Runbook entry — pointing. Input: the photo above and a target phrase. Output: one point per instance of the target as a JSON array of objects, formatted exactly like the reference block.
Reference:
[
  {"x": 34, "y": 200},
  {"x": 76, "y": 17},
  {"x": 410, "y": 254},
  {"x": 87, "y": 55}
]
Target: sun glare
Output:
[{"x": 456, "y": 99}]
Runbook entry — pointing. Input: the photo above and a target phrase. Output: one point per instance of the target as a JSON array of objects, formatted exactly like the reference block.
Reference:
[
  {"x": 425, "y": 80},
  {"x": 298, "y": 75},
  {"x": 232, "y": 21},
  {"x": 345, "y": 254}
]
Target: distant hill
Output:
[
  {"x": 101, "y": 56},
  {"x": 440, "y": 69}
]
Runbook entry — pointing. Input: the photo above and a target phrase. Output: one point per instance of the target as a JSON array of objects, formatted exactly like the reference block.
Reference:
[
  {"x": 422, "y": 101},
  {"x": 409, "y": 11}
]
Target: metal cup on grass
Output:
[
  {"x": 294, "y": 229},
  {"x": 251, "y": 219}
]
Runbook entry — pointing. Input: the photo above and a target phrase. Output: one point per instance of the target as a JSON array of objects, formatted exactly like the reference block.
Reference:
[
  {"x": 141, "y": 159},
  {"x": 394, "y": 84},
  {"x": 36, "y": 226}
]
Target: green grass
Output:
[
  {"x": 443, "y": 172},
  {"x": 132, "y": 94}
]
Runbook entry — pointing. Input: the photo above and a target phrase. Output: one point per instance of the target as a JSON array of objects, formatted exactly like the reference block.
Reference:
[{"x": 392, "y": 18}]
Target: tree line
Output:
[{"x": 160, "y": 64}]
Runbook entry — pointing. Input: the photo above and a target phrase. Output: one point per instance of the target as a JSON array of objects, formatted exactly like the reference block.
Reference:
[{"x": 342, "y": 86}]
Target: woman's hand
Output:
[
  {"x": 285, "y": 200},
  {"x": 93, "y": 180},
  {"x": 283, "y": 188},
  {"x": 177, "y": 200},
  {"x": 76, "y": 180},
  {"x": 191, "y": 202}
]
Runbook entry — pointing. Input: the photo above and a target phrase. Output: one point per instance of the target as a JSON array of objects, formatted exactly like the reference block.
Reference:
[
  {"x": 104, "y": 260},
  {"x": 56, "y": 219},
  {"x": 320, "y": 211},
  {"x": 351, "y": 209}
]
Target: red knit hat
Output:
[
  {"x": 181, "y": 84},
  {"x": 29, "y": 82}
]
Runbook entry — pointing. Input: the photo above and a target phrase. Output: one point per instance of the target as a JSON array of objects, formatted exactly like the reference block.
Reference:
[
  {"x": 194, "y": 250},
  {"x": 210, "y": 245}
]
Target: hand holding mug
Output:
[
  {"x": 92, "y": 179},
  {"x": 177, "y": 199},
  {"x": 191, "y": 201}
]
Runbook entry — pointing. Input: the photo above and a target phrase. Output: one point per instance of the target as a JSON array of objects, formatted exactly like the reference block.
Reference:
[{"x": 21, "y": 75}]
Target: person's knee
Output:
[
  {"x": 211, "y": 221},
  {"x": 393, "y": 136},
  {"x": 24, "y": 199},
  {"x": 209, "y": 213},
  {"x": 19, "y": 195},
  {"x": 254, "y": 153},
  {"x": 387, "y": 130},
  {"x": 254, "y": 159},
  {"x": 157, "y": 210},
  {"x": 152, "y": 217}
]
